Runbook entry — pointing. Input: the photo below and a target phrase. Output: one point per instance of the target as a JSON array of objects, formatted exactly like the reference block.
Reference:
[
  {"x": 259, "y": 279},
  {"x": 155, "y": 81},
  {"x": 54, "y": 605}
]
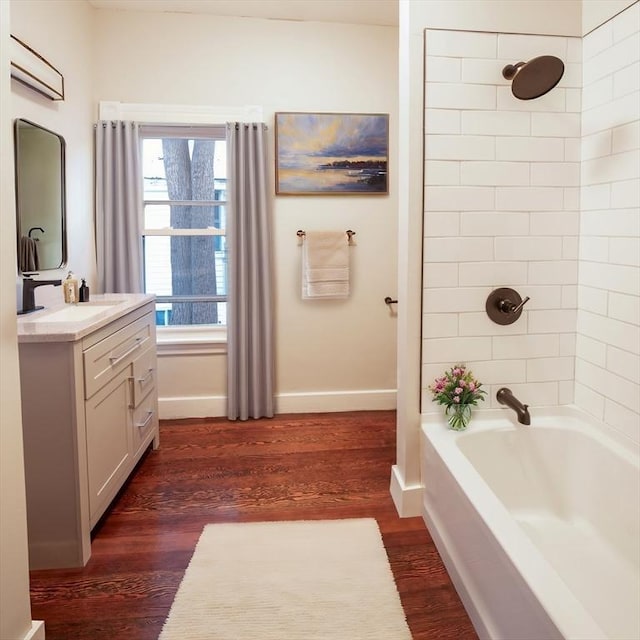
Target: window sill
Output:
[{"x": 180, "y": 341}]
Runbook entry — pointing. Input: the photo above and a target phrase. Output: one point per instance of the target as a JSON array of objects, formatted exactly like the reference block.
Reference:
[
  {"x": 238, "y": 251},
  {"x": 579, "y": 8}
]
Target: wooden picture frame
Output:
[{"x": 331, "y": 153}]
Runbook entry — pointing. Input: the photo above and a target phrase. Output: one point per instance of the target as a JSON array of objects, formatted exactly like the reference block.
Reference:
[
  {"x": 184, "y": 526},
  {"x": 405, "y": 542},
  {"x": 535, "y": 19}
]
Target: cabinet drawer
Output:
[
  {"x": 144, "y": 375},
  {"x": 145, "y": 422},
  {"x": 115, "y": 353}
]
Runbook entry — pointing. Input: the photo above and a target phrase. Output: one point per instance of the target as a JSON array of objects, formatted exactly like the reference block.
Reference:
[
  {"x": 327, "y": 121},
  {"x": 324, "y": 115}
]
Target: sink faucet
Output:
[
  {"x": 28, "y": 298},
  {"x": 504, "y": 396}
]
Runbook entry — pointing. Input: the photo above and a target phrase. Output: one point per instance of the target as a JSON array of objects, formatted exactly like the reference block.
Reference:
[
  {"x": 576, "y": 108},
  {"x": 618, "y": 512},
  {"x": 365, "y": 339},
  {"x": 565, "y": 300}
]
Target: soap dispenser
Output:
[
  {"x": 70, "y": 288},
  {"x": 84, "y": 291}
]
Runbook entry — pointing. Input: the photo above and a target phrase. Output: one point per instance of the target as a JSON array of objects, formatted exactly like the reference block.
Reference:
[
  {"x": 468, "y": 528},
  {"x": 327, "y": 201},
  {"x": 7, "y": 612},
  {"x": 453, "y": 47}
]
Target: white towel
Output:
[{"x": 325, "y": 265}]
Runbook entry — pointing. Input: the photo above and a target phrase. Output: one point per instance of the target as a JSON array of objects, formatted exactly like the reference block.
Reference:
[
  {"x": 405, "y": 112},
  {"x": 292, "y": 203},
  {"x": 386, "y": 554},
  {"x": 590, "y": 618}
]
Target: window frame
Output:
[{"x": 192, "y": 336}]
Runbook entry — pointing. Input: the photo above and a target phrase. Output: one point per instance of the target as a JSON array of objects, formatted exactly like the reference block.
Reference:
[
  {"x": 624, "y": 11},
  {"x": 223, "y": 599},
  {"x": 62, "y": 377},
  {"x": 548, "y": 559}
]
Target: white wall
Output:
[
  {"x": 501, "y": 210},
  {"x": 608, "y": 340},
  {"x": 61, "y": 31},
  {"x": 547, "y": 17},
  {"x": 15, "y": 612},
  {"x": 597, "y": 12},
  {"x": 331, "y": 355}
]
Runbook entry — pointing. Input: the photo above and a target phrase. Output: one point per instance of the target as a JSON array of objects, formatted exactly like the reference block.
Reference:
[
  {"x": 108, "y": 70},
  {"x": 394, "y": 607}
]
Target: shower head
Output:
[{"x": 534, "y": 78}]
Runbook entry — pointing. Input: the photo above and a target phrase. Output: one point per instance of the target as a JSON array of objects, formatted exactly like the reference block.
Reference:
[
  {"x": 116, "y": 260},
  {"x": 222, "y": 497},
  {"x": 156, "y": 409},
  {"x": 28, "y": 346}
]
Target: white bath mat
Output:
[{"x": 307, "y": 580}]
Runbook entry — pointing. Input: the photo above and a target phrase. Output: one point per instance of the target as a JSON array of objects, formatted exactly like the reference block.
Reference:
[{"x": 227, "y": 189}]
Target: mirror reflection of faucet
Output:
[
  {"x": 28, "y": 299},
  {"x": 506, "y": 397}
]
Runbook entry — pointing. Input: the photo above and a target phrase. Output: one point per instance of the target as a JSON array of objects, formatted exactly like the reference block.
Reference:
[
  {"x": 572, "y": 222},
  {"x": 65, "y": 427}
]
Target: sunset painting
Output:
[{"x": 331, "y": 153}]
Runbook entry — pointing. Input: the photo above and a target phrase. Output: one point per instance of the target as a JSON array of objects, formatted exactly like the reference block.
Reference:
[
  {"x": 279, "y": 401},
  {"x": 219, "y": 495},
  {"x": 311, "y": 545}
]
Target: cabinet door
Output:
[{"x": 108, "y": 420}]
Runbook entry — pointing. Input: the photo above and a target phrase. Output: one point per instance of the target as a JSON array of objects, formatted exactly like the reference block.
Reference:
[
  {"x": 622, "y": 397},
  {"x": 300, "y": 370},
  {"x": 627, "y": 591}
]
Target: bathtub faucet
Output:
[{"x": 504, "y": 396}]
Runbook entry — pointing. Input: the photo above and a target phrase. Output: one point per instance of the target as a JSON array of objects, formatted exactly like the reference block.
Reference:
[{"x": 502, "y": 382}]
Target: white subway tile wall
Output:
[
  {"x": 607, "y": 376},
  {"x": 543, "y": 196},
  {"x": 507, "y": 173}
]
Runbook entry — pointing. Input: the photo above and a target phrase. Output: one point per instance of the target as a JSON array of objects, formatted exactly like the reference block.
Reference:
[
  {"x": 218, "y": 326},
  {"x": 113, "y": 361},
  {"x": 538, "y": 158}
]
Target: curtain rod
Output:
[{"x": 255, "y": 125}]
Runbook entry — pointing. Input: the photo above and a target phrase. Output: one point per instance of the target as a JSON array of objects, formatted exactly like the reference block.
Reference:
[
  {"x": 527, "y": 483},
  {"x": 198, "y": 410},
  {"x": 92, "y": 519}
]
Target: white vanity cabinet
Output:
[{"x": 89, "y": 411}]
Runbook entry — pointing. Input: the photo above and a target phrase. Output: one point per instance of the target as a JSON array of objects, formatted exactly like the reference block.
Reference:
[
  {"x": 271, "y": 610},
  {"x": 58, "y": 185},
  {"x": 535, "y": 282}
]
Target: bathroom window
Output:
[{"x": 184, "y": 220}]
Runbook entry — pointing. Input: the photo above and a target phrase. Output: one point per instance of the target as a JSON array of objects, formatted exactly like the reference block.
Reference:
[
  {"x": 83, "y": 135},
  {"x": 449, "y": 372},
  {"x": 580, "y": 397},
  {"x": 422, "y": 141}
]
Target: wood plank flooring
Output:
[{"x": 292, "y": 467}]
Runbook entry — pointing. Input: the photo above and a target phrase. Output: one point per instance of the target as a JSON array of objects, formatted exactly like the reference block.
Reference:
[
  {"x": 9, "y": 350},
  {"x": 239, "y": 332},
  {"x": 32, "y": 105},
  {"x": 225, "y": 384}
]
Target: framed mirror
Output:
[{"x": 40, "y": 197}]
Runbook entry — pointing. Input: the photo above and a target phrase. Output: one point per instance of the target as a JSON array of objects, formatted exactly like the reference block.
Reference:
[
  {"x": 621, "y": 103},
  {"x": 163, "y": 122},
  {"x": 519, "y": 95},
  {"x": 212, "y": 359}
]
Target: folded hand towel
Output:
[
  {"x": 325, "y": 265},
  {"x": 28, "y": 254}
]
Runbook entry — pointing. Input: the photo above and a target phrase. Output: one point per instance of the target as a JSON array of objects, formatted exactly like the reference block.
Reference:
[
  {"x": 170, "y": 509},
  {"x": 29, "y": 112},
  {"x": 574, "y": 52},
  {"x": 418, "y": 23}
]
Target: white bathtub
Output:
[{"x": 538, "y": 525}]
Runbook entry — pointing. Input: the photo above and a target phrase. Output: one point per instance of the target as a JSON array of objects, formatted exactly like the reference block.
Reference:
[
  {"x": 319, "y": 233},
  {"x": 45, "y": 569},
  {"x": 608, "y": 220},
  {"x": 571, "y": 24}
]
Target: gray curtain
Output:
[
  {"x": 118, "y": 207},
  {"x": 250, "y": 373}
]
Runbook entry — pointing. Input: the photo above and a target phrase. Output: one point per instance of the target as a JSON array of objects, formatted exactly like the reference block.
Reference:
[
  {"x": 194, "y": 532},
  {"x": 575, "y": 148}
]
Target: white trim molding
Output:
[
  {"x": 334, "y": 401},
  {"x": 407, "y": 499},
  {"x": 178, "y": 113},
  {"x": 192, "y": 340},
  {"x": 192, "y": 407},
  {"x": 173, "y": 408},
  {"x": 36, "y": 632}
]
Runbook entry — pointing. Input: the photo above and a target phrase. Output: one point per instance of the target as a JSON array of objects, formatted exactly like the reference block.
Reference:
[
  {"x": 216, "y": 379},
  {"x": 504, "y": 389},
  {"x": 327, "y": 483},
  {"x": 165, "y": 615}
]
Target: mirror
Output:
[{"x": 40, "y": 197}]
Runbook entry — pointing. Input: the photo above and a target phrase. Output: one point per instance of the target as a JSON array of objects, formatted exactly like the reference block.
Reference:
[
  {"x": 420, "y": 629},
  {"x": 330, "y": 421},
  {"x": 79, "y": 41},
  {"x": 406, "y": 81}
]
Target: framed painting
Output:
[{"x": 332, "y": 154}]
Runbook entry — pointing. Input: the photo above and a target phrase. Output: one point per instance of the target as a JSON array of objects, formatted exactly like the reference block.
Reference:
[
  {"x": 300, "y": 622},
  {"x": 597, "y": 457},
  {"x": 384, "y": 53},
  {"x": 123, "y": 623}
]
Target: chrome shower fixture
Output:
[{"x": 533, "y": 79}]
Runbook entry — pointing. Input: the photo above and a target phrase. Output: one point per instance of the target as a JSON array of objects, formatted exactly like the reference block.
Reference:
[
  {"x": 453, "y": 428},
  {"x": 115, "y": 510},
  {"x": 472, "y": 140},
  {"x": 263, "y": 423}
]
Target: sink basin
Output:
[{"x": 73, "y": 313}]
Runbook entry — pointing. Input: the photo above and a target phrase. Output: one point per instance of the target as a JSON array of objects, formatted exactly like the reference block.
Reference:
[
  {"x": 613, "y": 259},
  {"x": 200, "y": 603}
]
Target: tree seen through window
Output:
[{"x": 185, "y": 252}]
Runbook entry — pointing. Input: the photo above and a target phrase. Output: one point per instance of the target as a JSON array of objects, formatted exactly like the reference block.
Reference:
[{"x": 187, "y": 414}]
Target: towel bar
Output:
[{"x": 300, "y": 233}]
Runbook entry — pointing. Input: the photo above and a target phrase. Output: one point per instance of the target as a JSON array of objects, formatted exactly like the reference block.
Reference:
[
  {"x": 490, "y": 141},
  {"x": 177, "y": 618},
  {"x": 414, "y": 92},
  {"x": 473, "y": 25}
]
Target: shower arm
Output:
[{"x": 510, "y": 70}]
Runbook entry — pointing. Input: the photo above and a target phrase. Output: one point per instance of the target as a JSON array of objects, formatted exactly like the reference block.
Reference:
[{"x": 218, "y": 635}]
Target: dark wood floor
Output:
[{"x": 291, "y": 467}]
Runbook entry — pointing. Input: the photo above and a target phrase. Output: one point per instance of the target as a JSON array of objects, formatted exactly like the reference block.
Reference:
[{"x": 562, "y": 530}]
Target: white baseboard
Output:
[
  {"x": 407, "y": 499},
  {"x": 314, "y": 402},
  {"x": 333, "y": 401},
  {"x": 36, "y": 632},
  {"x": 192, "y": 407}
]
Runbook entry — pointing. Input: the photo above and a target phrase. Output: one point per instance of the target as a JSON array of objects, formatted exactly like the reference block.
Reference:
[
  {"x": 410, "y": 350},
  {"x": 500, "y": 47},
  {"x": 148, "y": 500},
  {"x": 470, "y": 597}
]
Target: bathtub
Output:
[{"x": 538, "y": 525}]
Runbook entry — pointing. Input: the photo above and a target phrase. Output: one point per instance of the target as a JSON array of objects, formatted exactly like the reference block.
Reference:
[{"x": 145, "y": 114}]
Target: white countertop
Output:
[{"x": 33, "y": 327}]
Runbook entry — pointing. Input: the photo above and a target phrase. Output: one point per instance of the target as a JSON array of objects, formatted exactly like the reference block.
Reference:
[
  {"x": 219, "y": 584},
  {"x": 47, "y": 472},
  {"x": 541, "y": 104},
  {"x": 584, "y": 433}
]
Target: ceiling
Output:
[{"x": 372, "y": 12}]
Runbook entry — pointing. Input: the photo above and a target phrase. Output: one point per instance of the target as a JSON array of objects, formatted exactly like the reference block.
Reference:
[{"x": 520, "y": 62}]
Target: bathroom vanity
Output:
[{"x": 89, "y": 412}]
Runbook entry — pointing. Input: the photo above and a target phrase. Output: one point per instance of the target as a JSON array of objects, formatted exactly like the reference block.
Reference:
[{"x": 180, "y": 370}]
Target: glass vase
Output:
[{"x": 458, "y": 416}]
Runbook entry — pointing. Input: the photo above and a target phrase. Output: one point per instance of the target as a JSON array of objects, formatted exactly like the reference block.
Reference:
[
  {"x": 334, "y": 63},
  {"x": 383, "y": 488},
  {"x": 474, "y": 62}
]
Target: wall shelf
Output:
[{"x": 34, "y": 71}]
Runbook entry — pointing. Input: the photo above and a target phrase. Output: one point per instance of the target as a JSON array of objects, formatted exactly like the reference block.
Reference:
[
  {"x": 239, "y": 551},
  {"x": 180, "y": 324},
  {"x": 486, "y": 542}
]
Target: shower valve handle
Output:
[
  {"x": 506, "y": 306},
  {"x": 518, "y": 309}
]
